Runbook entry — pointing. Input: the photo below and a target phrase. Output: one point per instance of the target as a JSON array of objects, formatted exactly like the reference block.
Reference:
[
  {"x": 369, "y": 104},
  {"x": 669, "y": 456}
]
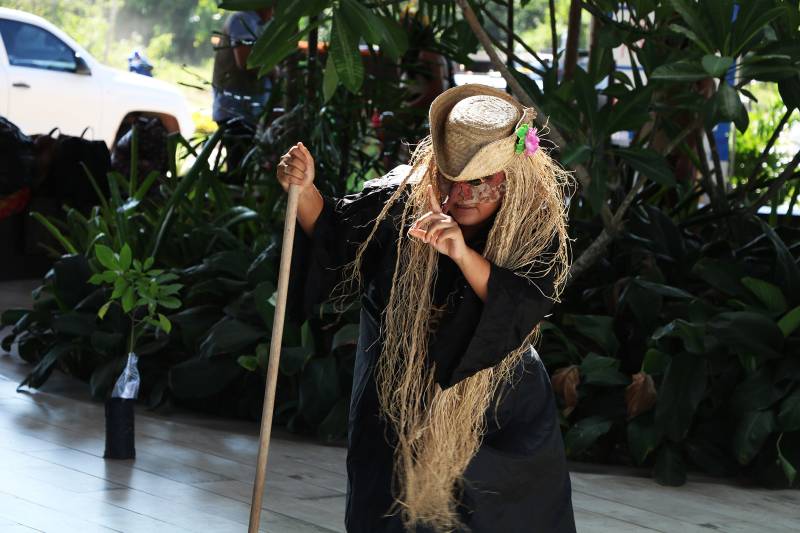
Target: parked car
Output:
[{"x": 47, "y": 81}]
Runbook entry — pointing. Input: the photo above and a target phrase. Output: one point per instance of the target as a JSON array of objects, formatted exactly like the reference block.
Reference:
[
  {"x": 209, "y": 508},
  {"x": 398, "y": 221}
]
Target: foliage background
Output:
[{"x": 674, "y": 348}]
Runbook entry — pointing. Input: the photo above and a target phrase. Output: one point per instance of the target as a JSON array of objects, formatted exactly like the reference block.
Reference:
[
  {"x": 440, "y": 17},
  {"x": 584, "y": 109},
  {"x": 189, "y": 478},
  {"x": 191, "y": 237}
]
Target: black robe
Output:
[{"x": 518, "y": 480}]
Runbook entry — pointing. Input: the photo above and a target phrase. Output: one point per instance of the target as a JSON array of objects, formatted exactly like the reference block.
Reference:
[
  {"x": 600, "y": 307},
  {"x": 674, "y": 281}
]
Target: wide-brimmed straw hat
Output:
[{"x": 474, "y": 130}]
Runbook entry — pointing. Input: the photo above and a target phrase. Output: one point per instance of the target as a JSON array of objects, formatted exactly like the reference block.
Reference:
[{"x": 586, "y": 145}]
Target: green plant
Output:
[{"x": 138, "y": 288}]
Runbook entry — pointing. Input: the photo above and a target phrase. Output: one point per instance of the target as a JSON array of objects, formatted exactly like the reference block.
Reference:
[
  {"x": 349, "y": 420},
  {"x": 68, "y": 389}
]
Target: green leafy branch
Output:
[{"x": 136, "y": 287}]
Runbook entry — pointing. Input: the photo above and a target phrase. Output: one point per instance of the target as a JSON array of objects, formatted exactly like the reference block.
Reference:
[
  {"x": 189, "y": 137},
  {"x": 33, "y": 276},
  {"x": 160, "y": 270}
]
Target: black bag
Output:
[
  {"x": 17, "y": 162},
  {"x": 62, "y": 159}
]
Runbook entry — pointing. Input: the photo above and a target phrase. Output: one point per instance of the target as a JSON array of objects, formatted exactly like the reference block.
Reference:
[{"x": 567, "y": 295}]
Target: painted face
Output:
[{"x": 465, "y": 194}]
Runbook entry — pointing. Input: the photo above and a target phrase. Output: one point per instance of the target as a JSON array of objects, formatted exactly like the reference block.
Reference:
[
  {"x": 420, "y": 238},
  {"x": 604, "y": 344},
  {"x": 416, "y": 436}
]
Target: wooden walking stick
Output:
[{"x": 274, "y": 357}]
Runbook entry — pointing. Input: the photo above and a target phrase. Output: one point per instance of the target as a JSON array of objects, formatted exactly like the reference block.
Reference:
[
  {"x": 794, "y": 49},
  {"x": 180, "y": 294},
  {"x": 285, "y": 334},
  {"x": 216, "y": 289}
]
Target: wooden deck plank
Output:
[{"x": 692, "y": 507}]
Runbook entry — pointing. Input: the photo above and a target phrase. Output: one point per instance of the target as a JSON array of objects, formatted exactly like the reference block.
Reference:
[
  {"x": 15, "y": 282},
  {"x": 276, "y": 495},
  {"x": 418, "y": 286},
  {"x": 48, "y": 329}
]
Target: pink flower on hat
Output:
[{"x": 531, "y": 141}]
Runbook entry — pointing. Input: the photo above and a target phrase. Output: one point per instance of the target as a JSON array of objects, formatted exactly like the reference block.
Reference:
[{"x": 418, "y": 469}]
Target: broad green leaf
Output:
[
  {"x": 203, "y": 378},
  {"x": 655, "y": 362},
  {"x": 748, "y": 333},
  {"x": 600, "y": 370},
  {"x": 751, "y": 432},
  {"x": 716, "y": 66},
  {"x": 248, "y": 362},
  {"x": 262, "y": 294},
  {"x": 643, "y": 437},
  {"x": 787, "y": 272},
  {"x": 727, "y": 106},
  {"x": 664, "y": 290},
  {"x": 103, "y": 310},
  {"x": 680, "y": 71},
  {"x": 649, "y": 163},
  {"x": 294, "y": 359},
  {"x": 345, "y": 53},
  {"x": 164, "y": 322},
  {"x": 125, "y": 257},
  {"x": 756, "y": 391},
  {"x": 364, "y": 22},
  {"x": 681, "y": 390},
  {"x": 576, "y": 154},
  {"x": 106, "y": 257},
  {"x": 395, "y": 39},
  {"x": 330, "y": 80},
  {"x": 120, "y": 284},
  {"x": 584, "y": 433},
  {"x": 169, "y": 303},
  {"x": 769, "y": 295},
  {"x": 598, "y": 328},
  {"x": 788, "y": 468},
  {"x": 790, "y": 321},
  {"x": 586, "y": 96},
  {"x": 45, "y": 366},
  {"x": 790, "y": 92},
  {"x": 228, "y": 336},
  {"x": 752, "y": 19},
  {"x": 789, "y": 413},
  {"x": 690, "y": 333},
  {"x": 128, "y": 299},
  {"x": 687, "y": 9}
]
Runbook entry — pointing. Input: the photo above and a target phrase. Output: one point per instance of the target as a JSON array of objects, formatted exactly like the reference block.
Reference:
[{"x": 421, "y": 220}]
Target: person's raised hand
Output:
[
  {"x": 439, "y": 230},
  {"x": 296, "y": 167}
]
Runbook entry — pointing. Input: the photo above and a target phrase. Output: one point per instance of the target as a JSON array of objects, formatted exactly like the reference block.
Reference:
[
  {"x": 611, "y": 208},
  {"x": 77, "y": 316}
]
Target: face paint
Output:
[{"x": 472, "y": 192}]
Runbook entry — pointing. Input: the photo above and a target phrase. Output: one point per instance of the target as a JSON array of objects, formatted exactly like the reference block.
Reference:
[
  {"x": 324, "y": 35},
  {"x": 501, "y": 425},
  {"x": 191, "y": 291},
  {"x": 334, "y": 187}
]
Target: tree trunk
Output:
[
  {"x": 553, "y": 34},
  {"x": 573, "y": 39},
  {"x": 311, "y": 78},
  {"x": 510, "y": 38}
]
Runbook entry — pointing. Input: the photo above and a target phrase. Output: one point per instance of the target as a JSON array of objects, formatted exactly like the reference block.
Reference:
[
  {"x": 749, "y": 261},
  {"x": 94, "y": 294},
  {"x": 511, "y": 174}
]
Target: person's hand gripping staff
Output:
[{"x": 296, "y": 167}]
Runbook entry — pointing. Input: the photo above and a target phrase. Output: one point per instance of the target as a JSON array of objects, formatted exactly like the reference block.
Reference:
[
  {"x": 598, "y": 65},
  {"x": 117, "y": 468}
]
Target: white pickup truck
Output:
[{"x": 48, "y": 81}]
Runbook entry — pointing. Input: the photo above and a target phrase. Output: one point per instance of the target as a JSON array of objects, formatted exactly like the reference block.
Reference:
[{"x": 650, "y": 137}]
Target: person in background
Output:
[{"x": 240, "y": 95}]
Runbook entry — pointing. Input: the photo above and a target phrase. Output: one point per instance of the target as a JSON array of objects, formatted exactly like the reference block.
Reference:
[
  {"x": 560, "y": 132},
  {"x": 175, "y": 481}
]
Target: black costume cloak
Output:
[{"x": 518, "y": 480}]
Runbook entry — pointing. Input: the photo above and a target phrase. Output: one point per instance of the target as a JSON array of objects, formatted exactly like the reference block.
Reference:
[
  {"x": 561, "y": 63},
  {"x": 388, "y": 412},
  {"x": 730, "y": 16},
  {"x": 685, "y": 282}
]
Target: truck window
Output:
[{"x": 30, "y": 46}]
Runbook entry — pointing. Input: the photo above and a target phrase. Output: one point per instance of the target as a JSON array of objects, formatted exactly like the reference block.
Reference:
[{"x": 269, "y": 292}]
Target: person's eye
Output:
[{"x": 475, "y": 182}]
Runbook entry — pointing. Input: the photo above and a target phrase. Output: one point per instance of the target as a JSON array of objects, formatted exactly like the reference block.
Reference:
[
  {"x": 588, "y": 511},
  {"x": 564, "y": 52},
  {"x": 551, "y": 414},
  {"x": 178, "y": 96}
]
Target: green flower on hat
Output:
[{"x": 521, "y": 132}]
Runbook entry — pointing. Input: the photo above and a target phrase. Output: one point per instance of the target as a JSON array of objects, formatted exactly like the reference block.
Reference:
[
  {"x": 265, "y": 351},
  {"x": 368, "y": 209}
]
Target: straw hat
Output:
[{"x": 474, "y": 130}]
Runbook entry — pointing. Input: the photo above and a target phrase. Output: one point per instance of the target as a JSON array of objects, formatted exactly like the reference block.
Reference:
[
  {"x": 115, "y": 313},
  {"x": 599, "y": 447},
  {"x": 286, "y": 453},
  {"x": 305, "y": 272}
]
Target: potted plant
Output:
[{"x": 140, "y": 290}]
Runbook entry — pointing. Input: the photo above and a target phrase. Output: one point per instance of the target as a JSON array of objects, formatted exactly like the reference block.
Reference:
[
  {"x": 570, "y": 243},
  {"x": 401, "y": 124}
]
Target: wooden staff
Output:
[{"x": 274, "y": 357}]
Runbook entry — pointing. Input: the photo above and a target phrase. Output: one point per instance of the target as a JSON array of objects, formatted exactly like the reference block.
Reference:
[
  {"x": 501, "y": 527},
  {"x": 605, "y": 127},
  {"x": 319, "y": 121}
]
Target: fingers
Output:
[
  {"x": 434, "y": 227},
  {"x": 437, "y": 228},
  {"x": 423, "y": 221},
  {"x": 435, "y": 206},
  {"x": 445, "y": 234},
  {"x": 309, "y": 159}
]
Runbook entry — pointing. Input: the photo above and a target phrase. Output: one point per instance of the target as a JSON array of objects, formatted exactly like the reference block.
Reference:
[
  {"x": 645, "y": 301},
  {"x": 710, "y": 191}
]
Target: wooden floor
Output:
[{"x": 195, "y": 473}]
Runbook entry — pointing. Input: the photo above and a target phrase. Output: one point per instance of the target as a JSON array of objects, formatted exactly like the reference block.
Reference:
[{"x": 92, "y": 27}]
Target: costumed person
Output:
[{"x": 456, "y": 257}]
